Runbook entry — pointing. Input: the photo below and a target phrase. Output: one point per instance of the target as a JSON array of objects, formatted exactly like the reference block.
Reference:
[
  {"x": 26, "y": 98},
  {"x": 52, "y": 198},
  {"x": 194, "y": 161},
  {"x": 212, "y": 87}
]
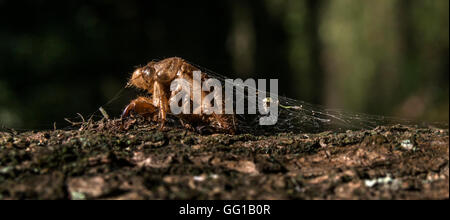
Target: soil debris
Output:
[{"x": 133, "y": 159}]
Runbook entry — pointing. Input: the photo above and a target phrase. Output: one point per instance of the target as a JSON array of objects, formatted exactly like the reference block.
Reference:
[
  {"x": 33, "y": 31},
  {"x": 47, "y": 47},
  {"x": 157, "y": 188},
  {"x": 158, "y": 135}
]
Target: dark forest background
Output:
[{"x": 385, "y": 57}]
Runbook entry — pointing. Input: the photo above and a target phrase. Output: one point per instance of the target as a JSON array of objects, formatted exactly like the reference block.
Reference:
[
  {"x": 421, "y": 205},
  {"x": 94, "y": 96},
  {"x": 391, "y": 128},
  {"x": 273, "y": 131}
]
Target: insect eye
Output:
[{"x": 147, "y": 71}]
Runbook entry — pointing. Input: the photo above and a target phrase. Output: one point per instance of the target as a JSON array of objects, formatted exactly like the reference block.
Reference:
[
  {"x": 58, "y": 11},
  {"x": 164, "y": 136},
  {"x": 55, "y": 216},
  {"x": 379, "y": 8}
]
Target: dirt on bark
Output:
[{"x": 111, "y": 159}]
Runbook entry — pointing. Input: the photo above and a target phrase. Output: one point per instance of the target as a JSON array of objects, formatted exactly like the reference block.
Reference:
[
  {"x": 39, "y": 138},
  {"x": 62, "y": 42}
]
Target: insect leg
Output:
[{"x": 142, "y": 106}]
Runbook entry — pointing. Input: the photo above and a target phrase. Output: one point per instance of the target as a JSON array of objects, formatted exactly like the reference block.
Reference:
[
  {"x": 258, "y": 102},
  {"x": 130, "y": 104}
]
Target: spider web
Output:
[{"x": 299, "y": 116}]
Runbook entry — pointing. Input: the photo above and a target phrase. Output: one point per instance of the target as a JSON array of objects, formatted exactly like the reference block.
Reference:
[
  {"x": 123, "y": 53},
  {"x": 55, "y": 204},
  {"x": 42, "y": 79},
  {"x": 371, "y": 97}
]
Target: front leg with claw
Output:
[{"x": 141, "y": 106}]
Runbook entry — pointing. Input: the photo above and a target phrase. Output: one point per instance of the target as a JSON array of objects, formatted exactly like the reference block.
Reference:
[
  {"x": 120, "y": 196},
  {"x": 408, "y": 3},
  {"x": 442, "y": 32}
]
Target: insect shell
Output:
[{"x": 155, "y": 78}]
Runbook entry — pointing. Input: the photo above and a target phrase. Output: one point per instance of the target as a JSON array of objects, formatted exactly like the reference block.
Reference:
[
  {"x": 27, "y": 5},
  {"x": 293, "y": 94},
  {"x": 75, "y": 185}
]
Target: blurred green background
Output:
[{"x": 385, "y": 57}]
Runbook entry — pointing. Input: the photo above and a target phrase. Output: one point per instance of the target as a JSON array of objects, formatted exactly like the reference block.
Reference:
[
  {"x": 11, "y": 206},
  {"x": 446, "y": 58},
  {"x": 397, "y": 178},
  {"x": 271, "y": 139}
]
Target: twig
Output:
[
  {"x": 102, "y": 110},
  {"x": 73, "y": 123},
  {"x": 82, "y": 118}
]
